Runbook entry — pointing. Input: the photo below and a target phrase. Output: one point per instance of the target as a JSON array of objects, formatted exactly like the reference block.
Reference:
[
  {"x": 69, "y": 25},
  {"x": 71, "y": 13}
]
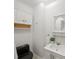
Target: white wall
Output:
[
  {"x": 43, "y": 25},
  {"x": 22, "y": 36},
  {"x": 54, "y": 9},
  {"x": 39, "y": 29}
]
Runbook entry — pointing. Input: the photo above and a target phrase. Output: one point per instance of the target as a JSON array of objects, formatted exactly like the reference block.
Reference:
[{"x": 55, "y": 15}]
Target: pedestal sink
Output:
[{"x": 56, "y": 50}]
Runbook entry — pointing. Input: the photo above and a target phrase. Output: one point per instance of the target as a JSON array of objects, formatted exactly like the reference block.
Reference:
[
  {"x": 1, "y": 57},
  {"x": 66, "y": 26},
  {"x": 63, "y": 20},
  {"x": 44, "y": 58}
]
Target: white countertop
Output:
[{"x": 57, "y": 50}]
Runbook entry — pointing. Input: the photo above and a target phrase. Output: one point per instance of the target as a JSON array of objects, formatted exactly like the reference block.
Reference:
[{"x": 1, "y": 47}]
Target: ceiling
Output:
[{"x": 33, "y": 3}]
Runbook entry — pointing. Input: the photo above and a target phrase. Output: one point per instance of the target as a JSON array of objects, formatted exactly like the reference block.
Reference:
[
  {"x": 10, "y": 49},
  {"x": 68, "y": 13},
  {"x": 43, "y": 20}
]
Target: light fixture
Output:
[
  {"x": 42, "y": 4},
  {"x": 51, "y": 4}
]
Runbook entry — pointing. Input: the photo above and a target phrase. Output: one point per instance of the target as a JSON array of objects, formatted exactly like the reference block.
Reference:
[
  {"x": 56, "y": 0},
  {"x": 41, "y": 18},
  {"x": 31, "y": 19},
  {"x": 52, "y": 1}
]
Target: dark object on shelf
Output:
[
  {"x": 52, "y": 39},
  {"x": 24, "y": 52},
  {"x": 58, "y": 43}
]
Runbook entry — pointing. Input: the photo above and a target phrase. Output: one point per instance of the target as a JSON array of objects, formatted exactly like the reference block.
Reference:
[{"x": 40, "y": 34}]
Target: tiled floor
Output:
[{"x": 36, "y": 57}]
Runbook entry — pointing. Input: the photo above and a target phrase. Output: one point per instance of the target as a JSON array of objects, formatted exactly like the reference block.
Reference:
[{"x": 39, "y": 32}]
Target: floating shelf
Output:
[{"x": 22, "y": 26}]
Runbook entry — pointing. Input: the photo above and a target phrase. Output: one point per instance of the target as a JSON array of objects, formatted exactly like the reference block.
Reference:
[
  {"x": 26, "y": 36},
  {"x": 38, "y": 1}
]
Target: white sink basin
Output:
[{"x": 57, "y": 50}]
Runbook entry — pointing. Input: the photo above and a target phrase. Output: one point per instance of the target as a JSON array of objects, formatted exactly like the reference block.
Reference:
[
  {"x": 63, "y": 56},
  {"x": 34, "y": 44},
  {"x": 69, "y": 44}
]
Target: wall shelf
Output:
[{"x": 22, "y": 26}]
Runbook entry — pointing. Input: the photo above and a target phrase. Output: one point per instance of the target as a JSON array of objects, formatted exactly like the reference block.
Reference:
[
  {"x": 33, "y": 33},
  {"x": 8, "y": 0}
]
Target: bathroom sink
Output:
[{"x": 56, "y": 50}]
